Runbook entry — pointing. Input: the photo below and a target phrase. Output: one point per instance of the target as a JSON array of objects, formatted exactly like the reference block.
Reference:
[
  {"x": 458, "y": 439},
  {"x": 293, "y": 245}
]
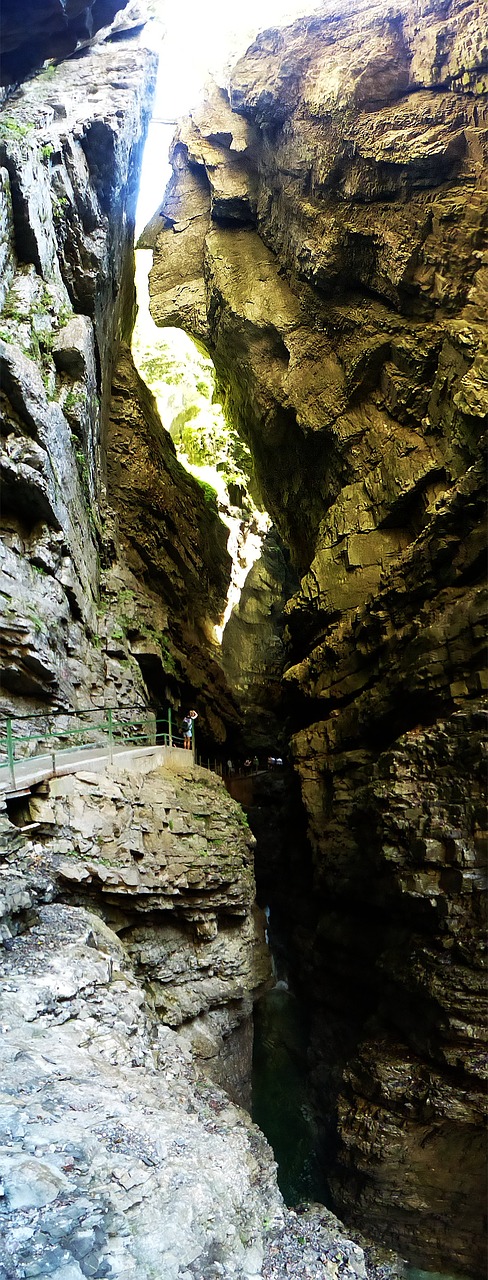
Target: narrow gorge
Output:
[{"x": 323, "y": 240}]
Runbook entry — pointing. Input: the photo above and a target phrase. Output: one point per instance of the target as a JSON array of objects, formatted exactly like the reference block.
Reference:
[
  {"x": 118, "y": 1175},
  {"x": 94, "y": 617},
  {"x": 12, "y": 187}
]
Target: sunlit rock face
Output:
[
  {"x": 325, "y": 233},
  {"x": 254, "y": 649},
  {"x": 173, "y": 542}
]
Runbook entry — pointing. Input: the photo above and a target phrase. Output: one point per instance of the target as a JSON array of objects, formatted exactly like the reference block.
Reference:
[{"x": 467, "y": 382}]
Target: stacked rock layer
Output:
[{"x": 325, "y": 233}]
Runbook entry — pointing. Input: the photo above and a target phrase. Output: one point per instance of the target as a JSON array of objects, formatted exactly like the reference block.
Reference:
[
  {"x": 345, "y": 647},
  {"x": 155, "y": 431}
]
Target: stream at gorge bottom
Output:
[{"x": 281, "y": 1106}]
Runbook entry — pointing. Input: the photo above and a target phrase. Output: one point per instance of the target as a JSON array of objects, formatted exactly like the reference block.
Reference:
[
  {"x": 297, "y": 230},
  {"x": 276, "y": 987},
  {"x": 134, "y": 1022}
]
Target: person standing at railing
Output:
[{"x": 187, "y": 729}]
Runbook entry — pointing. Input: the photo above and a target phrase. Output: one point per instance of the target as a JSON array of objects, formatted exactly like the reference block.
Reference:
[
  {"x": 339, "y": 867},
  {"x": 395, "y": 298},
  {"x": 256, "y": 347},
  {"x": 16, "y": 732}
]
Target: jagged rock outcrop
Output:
[
  {"x": 253, "y": 648},
  {"x": 118, "y": 1154},
  {"x": 171, "y": 538},
  {"x": 93, "y": 614},
  {"x": 325, "y": 232},
  {"x": 166, "y": 855},
  {"x": 69, "y": 185},
  {"x": 51, "y": 29}
]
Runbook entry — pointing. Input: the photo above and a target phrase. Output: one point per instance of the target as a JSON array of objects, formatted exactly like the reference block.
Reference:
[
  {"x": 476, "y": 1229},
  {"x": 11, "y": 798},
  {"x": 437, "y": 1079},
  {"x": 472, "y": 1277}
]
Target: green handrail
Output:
[{"x": 112, "y": 729}]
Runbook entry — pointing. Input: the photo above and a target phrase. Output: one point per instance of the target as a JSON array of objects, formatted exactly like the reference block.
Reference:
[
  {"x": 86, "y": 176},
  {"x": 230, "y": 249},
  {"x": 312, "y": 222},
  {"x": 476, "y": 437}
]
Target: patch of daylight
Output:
[{"x": 194, "y": 383}]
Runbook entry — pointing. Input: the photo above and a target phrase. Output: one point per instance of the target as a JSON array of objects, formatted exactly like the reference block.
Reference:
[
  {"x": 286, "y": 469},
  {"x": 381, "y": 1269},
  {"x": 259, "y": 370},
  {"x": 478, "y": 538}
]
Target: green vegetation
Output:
[
  {"x": 11, "y": 129},
  {"x": 72, "y": 402},
  {"x": 182, "y": 377},
  {"x": 32, "y": 323},
  {"x": 209, "y": 493},
  {"x": 83, "y": 473},
  {"x": 35, "y": 618},
  {"x": 11, "y": 309},
  {"x": 59, "y": 204},
  {"x": 47, "y": 73}
]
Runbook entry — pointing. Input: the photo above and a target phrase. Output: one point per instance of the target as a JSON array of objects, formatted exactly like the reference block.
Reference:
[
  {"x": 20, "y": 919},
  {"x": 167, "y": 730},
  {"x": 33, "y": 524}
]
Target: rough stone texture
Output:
[
  {"x": 172, "y": 539},
  {"x": 118, "y": 1156},
  {"x": 348, "y": 324},
  {"x": 36, "y": 30},
  {"x": 167, "y": 858},
  {"x": 72, "y": 636},
  {"x": 71, "y": 142},
  {"x": 253, "y": 647}
]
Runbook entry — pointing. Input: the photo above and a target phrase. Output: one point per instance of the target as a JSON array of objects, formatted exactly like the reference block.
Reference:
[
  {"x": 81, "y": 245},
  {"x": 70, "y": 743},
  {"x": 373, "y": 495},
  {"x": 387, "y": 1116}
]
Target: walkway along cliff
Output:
[{"x": 324, "y": 234}]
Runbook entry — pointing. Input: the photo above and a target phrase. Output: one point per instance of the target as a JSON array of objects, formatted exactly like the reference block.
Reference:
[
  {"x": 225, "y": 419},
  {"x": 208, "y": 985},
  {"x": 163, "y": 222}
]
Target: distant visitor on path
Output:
[{"x": 187, "y": 728}]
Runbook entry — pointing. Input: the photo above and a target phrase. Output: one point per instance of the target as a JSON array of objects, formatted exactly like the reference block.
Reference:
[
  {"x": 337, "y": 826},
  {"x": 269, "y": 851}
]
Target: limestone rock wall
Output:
[
  {"x": 325, "y": 231},
  {"x": 48, "y": 29},
  {"x": 109, "y": 597},
  {"x": 166, "y": 856},
  {"x": 118, "y": 1155},
  {"x": 71, "y": 144},
  {"x": 174, "y": 545},
  {"x": 254, "y": 649}
]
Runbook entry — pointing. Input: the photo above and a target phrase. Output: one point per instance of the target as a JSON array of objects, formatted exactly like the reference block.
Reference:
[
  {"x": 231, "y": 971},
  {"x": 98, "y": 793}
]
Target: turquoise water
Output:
[{"x": 412, "y": 1273}]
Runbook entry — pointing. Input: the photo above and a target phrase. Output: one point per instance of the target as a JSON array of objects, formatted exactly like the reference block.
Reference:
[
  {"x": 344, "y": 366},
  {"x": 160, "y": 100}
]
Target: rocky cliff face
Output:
[
  {"x": 325, "y": 233},
  {"x": 254, "y": 648},
  {"x": 69, "y": 183},
  {"x": 166, "y": 856},
  {"x": 120, "y": 1156},
  {"x": 110, "y": 596}
]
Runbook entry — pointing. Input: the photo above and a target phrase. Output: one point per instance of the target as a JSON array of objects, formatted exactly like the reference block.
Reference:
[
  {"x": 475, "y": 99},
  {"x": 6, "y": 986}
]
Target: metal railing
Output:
[{"x": 61, "y": 734}]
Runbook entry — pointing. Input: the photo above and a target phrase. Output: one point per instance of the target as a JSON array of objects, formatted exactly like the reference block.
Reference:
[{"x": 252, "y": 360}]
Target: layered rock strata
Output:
[
  {"x": 68, "y": 195},
  {"x": 166, "y": 856},
  {"x": 118, "y": 1156},
  {"x": 91, "y": 618},
  {"x": 173, "y": 542},
  {"x": 325, "y": 233}
]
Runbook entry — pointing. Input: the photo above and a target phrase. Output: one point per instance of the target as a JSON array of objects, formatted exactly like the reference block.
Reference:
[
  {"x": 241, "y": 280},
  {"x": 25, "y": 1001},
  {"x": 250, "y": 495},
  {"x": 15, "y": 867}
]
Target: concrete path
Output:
[{"x": 29, "y": 772}]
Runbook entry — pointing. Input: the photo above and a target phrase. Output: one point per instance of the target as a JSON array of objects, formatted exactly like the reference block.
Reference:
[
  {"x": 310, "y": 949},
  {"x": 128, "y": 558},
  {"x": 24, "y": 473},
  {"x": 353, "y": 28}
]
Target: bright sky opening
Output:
[{"x": 196, "y": 42}]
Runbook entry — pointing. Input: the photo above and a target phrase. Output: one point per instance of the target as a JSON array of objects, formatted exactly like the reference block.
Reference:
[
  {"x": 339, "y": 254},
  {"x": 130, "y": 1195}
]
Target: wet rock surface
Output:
[{"x": 113, "y": 561}]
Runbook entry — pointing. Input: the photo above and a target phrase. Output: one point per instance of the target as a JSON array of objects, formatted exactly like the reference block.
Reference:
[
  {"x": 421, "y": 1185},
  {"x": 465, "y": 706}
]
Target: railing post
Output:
[
  {"x": 193, "y": 743},
  {"x": 170, "y": 728},
  {"x": 110, "y": 736},
  {"x": 10, "y": 751}
]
